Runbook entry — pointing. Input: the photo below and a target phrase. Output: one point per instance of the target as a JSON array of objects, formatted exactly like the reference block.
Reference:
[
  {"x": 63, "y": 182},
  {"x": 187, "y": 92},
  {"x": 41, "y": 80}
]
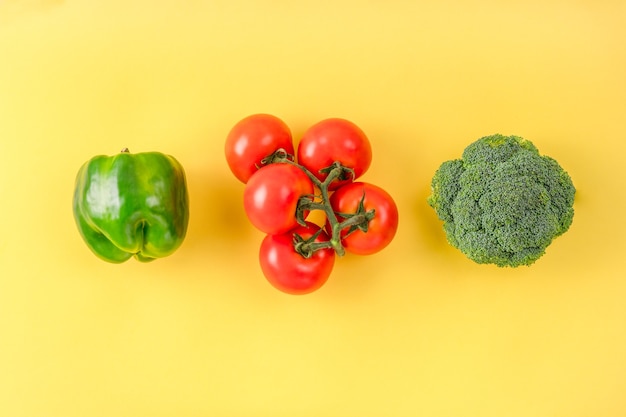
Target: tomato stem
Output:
[{"x": 352, "y": 222}]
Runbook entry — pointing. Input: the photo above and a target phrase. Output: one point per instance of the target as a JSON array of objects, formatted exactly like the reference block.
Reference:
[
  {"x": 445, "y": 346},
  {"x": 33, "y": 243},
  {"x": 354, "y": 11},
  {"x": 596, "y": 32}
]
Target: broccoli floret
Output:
[{"x": 502, "y": 202}]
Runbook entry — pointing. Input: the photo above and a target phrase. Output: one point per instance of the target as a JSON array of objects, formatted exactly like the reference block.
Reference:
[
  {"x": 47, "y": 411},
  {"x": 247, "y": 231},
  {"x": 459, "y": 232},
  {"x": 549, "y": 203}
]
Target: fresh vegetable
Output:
[
  {"x": 287, "y": 270},
  {"x": 335, "y": 140},
  {"x": 251, "y": 140},
  {"x": 272, "y": 194},
  {"x": 297, "y": 256},
  {"x": 502, "y": 203},
  {"x": 131, "y": 205},
  {"x": 360, "y": 198}
]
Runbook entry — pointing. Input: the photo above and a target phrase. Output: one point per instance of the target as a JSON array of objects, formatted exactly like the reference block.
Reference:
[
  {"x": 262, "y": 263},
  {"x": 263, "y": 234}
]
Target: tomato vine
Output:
[{"x": 358, "y": 220}]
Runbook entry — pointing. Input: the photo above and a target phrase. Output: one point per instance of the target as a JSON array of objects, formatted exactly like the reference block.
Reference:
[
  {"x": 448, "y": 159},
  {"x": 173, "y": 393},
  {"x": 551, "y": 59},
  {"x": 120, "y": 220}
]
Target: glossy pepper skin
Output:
[{"x": 132, "y": 205}]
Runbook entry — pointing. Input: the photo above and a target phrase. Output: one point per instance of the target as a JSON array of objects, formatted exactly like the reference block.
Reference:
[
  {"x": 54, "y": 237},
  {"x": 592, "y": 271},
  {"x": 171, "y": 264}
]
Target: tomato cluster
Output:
[{"x": 282, "y": 187}]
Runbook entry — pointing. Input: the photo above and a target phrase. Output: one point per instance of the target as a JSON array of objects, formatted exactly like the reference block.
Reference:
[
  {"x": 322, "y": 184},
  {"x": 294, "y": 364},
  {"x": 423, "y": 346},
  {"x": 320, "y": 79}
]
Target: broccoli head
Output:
[{"x": 502, "y": 202}]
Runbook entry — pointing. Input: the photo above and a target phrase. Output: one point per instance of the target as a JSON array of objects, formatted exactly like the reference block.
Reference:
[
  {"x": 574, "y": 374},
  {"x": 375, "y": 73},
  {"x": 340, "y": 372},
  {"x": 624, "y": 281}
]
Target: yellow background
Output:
[{"x": 416, "y": 330}]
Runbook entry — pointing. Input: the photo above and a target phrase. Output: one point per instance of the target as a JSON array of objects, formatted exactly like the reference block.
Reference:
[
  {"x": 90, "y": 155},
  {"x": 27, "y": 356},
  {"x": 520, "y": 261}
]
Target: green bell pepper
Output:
[{"x": 132, "y": 205}]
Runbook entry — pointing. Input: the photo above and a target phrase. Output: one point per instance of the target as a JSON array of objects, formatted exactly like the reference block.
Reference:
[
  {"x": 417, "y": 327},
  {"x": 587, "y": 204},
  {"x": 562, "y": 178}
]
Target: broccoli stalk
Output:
[{"x": 502, "y": 202}]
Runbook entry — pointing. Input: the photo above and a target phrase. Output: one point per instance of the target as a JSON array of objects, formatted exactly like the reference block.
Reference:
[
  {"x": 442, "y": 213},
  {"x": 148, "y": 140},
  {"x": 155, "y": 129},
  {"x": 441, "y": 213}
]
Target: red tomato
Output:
[
  {"x": 271, "y": 196},
  {"x": 381, "y": 229},
  {"x": 289, "y": 271},
  {"x": 335, "y": 140},
  {"x": 252, "y": 139}
]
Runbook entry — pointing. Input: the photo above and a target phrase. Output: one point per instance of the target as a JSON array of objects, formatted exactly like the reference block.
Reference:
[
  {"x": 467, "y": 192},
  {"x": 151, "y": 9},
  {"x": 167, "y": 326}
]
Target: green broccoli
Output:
[{"x": 502, "y": 202}]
